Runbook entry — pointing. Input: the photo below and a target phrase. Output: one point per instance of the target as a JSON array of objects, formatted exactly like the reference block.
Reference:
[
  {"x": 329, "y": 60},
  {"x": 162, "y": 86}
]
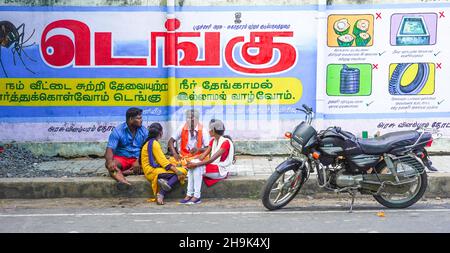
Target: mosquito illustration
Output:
[{"x": 10, "y": 35}]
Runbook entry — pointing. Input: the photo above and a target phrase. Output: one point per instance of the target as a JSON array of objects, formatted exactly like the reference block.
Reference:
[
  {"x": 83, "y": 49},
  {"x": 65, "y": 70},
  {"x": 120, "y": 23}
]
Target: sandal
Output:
[{"x": 159, "y": 199}]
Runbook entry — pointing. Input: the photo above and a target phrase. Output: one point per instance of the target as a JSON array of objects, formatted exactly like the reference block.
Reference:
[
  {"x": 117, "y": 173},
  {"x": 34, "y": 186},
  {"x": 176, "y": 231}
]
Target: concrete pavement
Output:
[{"x": 248, "y": 177}]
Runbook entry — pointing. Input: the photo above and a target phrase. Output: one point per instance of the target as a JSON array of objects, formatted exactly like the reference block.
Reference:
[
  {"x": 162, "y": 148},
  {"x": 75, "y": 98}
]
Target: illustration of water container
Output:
[
  {"x": 349, "y": 80},
  {"x": 413, "y": 31}
]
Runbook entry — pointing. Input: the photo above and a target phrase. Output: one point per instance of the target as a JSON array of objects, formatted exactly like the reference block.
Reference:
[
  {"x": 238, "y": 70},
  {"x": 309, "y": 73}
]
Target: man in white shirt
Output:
[{"x": 192, "y": 139}]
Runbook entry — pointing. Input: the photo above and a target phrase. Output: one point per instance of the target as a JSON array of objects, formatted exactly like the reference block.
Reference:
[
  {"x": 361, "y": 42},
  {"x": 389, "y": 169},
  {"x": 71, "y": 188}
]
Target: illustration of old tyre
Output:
[{"x": 414, "y": 87}]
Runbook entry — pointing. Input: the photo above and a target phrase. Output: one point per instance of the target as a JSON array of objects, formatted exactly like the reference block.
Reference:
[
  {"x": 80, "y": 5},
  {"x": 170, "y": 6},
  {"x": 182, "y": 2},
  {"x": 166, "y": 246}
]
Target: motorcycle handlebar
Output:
[{"x": 307, "y": 108}]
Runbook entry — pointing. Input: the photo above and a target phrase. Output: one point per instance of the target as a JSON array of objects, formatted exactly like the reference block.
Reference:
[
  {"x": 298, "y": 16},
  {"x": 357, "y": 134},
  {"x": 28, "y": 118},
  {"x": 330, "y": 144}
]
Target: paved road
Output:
[{"x": 236, "y": 215}]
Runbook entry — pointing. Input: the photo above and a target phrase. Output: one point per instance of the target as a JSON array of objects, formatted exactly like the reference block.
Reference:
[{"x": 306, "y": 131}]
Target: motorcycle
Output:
[{"x": 390, "y": 167}]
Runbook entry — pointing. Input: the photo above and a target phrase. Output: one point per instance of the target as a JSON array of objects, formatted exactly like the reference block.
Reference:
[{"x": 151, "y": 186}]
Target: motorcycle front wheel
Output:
[{"x": 281, "y": 188}]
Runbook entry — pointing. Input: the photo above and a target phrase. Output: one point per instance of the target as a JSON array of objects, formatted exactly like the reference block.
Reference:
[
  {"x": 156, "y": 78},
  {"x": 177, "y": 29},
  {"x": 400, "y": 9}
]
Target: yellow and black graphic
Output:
[{"x": 411, "y": 78}]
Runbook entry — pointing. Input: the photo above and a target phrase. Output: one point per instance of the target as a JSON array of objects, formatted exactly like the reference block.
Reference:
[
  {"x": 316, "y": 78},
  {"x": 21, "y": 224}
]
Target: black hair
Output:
[
  {"x": 154, "y": 130},
  {"x": 219, "y": 132},
  {"x": 228, "y": 137},
  {"x": 133, "y": 112}
]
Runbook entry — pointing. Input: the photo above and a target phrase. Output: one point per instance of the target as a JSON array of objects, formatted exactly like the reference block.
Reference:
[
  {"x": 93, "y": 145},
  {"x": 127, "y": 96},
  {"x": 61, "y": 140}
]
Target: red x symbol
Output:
[
  {"x": 441, "y": 14},
  {"x": 439, "y": 65},
  {"x": 378, "y": 15},
  {"x": 375, "y": 66}
]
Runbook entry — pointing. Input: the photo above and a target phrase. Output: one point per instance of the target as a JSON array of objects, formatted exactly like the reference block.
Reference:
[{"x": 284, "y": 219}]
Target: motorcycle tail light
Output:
[
  {"x": 288, "y": 135},
  {"x": 429, "y": 143}
]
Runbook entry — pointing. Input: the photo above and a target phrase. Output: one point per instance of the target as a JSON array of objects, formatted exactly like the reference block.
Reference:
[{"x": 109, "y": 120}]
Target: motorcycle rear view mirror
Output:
[
  {"x": 298, "y": 109},
  {"x": 307, "y": 108}
]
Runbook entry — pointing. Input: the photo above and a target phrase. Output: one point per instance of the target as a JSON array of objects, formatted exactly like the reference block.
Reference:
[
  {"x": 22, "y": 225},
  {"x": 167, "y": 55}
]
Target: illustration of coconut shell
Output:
[
  {"x": 361, "y": 26},
  {"x": 362, "y": 39},
  {"x": 345, "y": 40},
  {"x": 341, "y": 26}
]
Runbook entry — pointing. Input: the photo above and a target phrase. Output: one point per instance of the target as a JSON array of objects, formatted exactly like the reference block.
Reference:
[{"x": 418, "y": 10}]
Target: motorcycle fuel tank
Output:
[{"x": 332, "y": 146}]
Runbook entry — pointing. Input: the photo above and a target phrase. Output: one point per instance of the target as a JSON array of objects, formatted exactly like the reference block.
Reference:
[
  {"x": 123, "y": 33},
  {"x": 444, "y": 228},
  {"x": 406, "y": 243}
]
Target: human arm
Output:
[
  {"x": 173, "y": 150},
  {"x": 163, "y": 162},
  {"x": 159, "y": 156},
  {"x": 113, "y": 142},
  {"x": 205, "y": 153},
  {"x": 145, "y": 159},
  {"x": 110, "y": 164},
  {"x": 218, "y": 154},
  {"x": 136, "y": 167},
  {"x": 205, "y": 141}
]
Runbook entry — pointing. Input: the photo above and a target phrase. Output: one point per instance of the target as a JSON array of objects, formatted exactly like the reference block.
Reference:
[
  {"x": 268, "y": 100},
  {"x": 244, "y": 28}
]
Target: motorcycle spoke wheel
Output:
[
  {"x": 283, "y": 189},
  {"x": 403, "y": 197},
  {"x": 410, "y": 195}
]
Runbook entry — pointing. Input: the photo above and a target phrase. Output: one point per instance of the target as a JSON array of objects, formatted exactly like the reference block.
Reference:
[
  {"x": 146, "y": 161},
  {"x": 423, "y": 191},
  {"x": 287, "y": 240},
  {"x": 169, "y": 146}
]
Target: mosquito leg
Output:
[
  {"x": 21, "y": 37},
  {"x": 32, "y": 44},
  {"x": 20, "y": 57},
  {"x": 14, "y": 55},
  {"x": 1, "y": 62},
  {"x": 25, "y": 53},
  {"x": 21, "y": 34},
  {"x": 28, "y": 38}
]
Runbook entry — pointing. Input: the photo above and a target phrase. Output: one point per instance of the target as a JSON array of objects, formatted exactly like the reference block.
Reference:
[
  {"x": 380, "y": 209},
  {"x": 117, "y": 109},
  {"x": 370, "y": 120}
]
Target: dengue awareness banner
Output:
[
  {"x": 385, "y": 68},
  {"x": 69, "y": 73}
]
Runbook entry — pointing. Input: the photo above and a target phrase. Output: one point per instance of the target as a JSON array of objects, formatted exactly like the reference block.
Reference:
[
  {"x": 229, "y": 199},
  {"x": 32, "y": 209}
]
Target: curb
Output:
[{"x": 103, "y": 187}]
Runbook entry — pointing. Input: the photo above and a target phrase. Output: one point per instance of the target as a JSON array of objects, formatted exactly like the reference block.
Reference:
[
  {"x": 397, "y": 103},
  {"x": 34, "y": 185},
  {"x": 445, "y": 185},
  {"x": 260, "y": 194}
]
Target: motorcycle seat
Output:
[{"x": 387, "y": 142}]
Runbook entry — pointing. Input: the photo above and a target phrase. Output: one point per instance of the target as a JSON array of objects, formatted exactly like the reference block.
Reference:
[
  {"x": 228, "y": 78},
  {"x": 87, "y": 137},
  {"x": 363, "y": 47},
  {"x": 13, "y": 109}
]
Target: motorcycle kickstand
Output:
[{"x": 353, "y": 194}]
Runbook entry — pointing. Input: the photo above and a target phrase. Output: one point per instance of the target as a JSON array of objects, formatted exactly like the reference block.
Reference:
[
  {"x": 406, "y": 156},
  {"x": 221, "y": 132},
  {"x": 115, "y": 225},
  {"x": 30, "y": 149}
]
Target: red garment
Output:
[
  {"x": 185, "y": 139},
  {"x": 212, "y": 168},
  {"x": 225, "y": 145},
  {"x": 126, "y": 162}
]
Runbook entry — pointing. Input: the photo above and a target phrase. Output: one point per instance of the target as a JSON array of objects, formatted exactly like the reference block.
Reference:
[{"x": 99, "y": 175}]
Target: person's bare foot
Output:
[{"x": 159, "y": 199}]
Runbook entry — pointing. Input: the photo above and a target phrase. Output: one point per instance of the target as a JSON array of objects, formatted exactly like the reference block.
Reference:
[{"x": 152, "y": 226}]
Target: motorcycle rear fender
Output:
[{"x": 423, "y": 154}]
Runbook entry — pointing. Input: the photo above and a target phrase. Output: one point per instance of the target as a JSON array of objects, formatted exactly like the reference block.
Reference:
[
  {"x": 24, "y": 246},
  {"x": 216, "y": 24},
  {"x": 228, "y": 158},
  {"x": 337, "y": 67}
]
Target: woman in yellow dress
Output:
[{"x": 157, "y": 169}]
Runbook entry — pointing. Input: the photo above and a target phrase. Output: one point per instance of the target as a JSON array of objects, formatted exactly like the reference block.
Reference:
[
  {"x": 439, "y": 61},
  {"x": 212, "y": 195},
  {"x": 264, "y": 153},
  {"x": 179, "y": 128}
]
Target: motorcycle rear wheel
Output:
[
  {"x": 416, "y": 193},
  {"x": 283, "y": 186}
]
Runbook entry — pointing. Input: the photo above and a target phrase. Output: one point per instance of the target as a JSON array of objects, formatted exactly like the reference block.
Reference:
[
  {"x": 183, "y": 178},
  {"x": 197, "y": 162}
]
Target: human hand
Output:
[
  {"x": 177, "y": 157},
  {"x": 193, "y": 150},
  {"x": 191, "y": 165},
  {"x": 136, "y": 167},
  {"x": 111, "y": 166},
  {"x": 181, "y": 177}
]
